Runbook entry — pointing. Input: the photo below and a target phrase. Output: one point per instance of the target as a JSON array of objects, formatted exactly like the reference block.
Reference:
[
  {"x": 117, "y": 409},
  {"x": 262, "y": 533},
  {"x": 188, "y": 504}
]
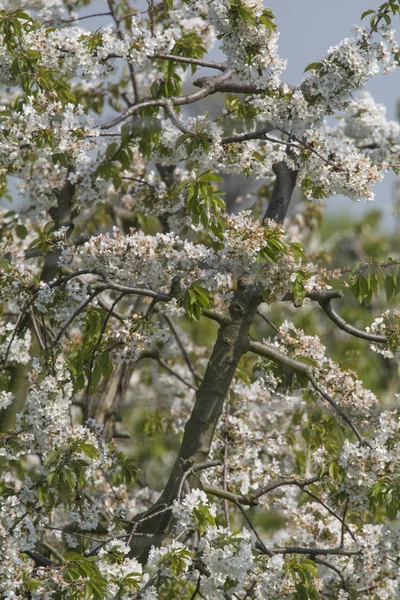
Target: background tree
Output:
[{"x": 182, "y": 404}]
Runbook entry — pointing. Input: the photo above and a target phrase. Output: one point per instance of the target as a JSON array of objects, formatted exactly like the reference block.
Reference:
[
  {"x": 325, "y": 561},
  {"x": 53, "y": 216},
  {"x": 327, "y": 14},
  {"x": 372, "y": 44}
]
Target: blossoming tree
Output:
[{"x": 125, "y": 280}]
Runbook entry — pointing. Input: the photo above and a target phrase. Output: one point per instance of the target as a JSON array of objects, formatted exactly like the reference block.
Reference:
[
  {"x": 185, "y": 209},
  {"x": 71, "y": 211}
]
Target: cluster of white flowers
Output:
[
  {"x": 117, "y": 566},
  {"x": 337, "y": 167},
  {"x": 365, "y": 465},
  {"x": 14, "y": 347},
  {"x": 183, "y": 510},
  {"x": 365, "y": 124},
  {"x": 47, "y": 407},
  {"x": 228, "y": 557},
  {"x": 388, "y": 325},
  {"x": 63, "y": 472},
  {"x": 348, "y": 67},
  {"x": 251, "y": 437},
  {"x": 250, "y": 46},
  {"x": 153, "y": 261},
  {"x": 360, "y": 403},
  {"x": 6, "y": 398},
  {"x": 60, "y": 305}
]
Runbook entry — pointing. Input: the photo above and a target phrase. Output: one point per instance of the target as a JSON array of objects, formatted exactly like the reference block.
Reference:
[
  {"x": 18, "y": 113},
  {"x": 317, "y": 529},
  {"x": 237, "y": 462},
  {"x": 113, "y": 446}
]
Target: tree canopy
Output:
[{"x": 196, "y": 401}]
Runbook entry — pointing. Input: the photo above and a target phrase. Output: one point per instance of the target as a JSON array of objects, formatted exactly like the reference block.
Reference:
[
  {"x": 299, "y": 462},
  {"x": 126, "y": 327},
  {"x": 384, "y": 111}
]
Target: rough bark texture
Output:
[
  {"x": 62, "y": 216},
  {"x": 284, "y": 185}
]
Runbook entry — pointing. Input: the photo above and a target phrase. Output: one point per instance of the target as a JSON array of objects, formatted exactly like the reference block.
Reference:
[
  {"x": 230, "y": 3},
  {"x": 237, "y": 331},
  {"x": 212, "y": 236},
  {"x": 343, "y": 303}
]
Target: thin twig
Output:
[
  {"x": 192, "y": 470},
  {"x": 143, "y": 181},
  {"x": 114, "y": 313},
  {"x": 225, "y": 464},
  {"x": 127, "y": 289},
  {"x": 175, "y": 374},
  {"x": 185, "y": 354},
  {"x": 332, "y": 512},
  {"x": 248, "y": 499},
  {"x": 333, "y": 568},
  {"x": 196, "y": 589},
  {"x": 251, "y": 135},
  {"x": 191, "y": 61},
  {"x": 209, "y": 87},
  {"x": 14, "y": 334},
  {"x": 104, "y": 14},
  {"x": 301, "y": 483},
  {"x": 312, "y": 551},
  {"x": 300, "y": 367},
  {"x": 75, "y": 314},
  {"x": 270, "y": 323},
  {"x": 310, "y": 148},
  {"x": 94, "y": 352},
  {"x": 337, "y": 408},
  {"x": 343, "y": 523},
  {"x": 254, "y": 530}
]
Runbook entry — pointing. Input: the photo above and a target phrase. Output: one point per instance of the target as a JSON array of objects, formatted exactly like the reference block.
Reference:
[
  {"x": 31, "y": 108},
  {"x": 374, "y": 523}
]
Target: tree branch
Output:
[
  {"x": 301, "y": 483},
  {"x": 299, "y": 367},
  {"x": 191, "y": 61},
  {"x": 311, "y": 551},
  {"x": 344, "y": 326},
  {"x": 248, "y": 500},
  {"x": 284, "y": 185}
]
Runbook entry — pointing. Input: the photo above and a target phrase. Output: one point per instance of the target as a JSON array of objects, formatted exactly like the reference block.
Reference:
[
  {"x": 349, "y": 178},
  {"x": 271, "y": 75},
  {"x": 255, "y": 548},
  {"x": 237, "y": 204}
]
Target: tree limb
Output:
[{"x": 344, "y": 326}]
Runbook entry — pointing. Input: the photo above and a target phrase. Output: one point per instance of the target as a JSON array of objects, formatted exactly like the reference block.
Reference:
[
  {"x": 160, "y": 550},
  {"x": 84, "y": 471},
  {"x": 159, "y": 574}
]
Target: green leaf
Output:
[
  {"x": 105, "y": 364},
  {"x": 390, "y": 287},
  {"x": 209, "y": 176},
  {"x": 21, "y": 231},
  {"x": 314, "y": 66},
  {"x": 125, "y": 133},
  {"x": 258, "y": 157},
  {"x": 182, "y": 139},
  {"x": 366, "y": 13},
  {"x": 88, "y": 449}
]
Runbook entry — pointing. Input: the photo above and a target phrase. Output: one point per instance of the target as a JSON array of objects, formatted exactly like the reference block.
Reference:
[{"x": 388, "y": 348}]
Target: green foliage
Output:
[
  {"x": 13, "y": 24},
  {"x": 90, "y": 360},
  {"x": 385, "y": 493},
  {"x": 190, "y": 45},
  {"x": 195, "y": 299},
  {"x": 126, "y": 469},
  {"x": 302, "y": 572},
  {"x": 46, "y": 240},
  {"x": 204, "y": 203},
  {"x": 299, "y": 289},
  {"x": 382, "y": 15},
  {"x": 308, "y": 187},
  {"x": 274, "y": 246},
  {"x": 369, "y": 278},
  {"x": 323, "y": 430},
  {"x": 314, "y": 66},
  {"x": 89, "y": 583},
  {"x": 245, "y": 14},
  {"x": 203, "y": 518},
  {"x": 66, "y": 473},
  {"x": 176, "y": 560},
  {"x": 243, "y": 112},
  {"x": 26, "y": 65},
  {"x": 153, "y": 424}
]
